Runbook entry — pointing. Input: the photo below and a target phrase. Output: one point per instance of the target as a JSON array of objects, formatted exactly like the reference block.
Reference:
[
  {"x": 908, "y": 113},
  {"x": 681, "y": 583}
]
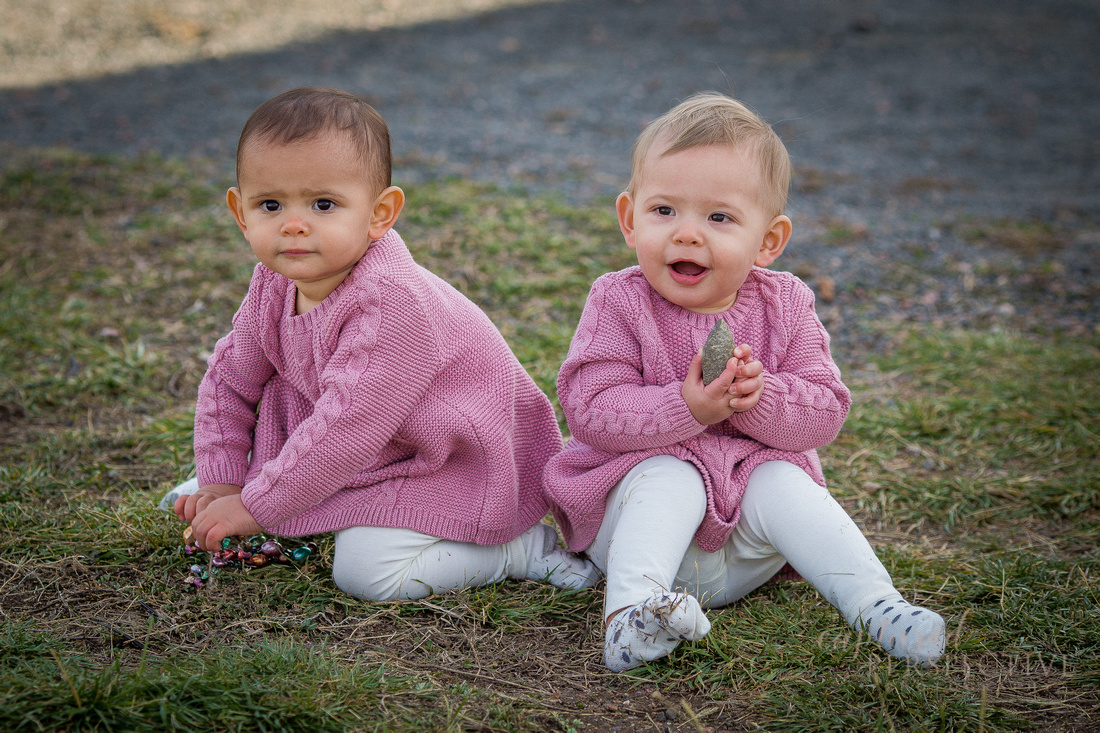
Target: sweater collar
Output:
[{"x": 735, "y": 312}]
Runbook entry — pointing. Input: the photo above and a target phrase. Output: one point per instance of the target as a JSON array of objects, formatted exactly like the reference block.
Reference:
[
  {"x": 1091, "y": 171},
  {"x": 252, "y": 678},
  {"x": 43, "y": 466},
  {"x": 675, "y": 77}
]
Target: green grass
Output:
[{"x": 970, "y": 460}]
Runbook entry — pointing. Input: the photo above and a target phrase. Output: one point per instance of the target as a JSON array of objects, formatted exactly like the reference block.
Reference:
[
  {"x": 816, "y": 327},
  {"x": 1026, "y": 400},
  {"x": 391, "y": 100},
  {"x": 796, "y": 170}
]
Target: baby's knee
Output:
[
  {"x": 370, "y": 563},
  {"x": 364, "y": 581},
  {"x": 778, "y": 485},
  {"x": 664, "y": 478}
]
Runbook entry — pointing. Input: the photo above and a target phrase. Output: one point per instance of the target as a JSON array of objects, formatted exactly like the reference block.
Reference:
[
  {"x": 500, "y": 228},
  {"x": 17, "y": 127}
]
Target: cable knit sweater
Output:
[
  {"x": 620, "y": 390},
  {"x": 395, "y": 402}
]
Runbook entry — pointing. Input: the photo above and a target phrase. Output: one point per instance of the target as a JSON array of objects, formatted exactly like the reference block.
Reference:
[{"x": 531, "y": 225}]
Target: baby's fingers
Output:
[{"x": 188, "y": 506}]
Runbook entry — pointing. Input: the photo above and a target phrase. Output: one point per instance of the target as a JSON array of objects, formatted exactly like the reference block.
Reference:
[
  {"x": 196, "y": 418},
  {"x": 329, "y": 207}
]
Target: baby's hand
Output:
[
  {"x": 223, "y": 518},
  {"x": 709, "y": 403},
  {"x": 187, "y": 506},
  {"x": 748, "y": 385}
]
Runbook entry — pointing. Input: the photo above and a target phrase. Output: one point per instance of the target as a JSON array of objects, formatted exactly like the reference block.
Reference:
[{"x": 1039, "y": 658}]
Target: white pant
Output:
[
  {"x": 645, "y": 544},
  {"x": 386, "y": 563}
]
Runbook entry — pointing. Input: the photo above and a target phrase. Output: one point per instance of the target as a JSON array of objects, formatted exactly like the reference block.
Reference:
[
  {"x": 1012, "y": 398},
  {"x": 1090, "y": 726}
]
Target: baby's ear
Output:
[
  {"x": 624, "y": 208},
  {"x": 775, "y": 241},
  {"x": 387, "y": 207},
  {"x": 235, "y": 202}
]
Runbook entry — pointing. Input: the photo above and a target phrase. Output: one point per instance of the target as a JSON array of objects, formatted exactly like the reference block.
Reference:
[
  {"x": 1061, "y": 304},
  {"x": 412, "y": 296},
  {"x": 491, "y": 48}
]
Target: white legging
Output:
[
  {"x": 386, "y": 563},
  {"x": 645, "y": 544}
]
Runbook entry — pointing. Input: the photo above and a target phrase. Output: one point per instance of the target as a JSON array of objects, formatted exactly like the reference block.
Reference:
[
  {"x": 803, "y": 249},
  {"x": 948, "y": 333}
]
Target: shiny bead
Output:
[
  {"x": 196, "y": 568},
  {"x": 259, "y": 560},
  {"x": 218, "y": 561},
  {"x": 271, "y": 548},
  {"x": 300, "y": 554},
  {"x": 226, "y": 543},
  {"x": 188, "y": 533}
]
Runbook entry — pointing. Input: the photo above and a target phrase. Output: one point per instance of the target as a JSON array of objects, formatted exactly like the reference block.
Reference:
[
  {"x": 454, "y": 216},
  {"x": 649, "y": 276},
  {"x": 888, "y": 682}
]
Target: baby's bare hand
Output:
[
  {"x": 188, "y": 506},
  {"x": 709, "y": 403},
  {"x": 748, "y": 385},
  {"x": 223, "y": 517}
]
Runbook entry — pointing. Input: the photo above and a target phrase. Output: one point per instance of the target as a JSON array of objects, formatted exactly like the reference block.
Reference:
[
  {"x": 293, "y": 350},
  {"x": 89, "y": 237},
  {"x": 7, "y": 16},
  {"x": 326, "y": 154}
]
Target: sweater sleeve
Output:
[
  {"x": 804, "y": 403},
  {"x": 605, "y": 393},
  {"x": 382, "y": 368},
  {"x": 225, "y": 414}
]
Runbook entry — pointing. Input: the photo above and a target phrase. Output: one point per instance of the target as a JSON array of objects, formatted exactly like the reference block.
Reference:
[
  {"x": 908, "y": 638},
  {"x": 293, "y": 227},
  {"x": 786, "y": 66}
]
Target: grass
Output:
[{"x": 969, "y": 459}]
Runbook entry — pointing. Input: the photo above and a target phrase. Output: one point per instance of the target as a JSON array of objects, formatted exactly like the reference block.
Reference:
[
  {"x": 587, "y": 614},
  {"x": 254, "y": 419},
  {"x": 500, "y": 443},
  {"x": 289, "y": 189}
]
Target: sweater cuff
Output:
[
  {"x": 751, "y": 422},
  {"x": 221, "y": 471},
  {"x": 682, "y": 423}
]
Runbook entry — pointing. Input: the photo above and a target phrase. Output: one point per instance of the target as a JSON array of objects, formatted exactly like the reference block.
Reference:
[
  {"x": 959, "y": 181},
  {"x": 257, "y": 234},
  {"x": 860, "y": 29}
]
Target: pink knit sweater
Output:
[
  {"x": 620, "y": 390},
  {"x": 395, "y": 402}
]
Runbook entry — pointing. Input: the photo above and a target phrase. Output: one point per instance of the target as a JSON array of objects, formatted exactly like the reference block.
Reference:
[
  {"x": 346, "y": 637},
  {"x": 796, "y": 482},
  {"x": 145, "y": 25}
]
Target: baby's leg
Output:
[
  {"x": 785, "y": 515},
  {"x": 652, "y": 515},
  {"x": 387, "y": 563}
]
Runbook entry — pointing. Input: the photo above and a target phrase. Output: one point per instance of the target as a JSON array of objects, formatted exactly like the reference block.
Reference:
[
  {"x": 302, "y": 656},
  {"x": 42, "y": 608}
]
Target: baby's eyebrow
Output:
[
  {"x": 265, "y": 195},
  {"x": 316, "y": 193}
]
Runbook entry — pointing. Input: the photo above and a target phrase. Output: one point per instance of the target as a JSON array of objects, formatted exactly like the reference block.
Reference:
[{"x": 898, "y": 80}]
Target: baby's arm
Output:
[
  {"x": 802, "y": 403},
  {"x": 225, "y": 414},
  {"x": 608, "y": 400},
  {"x": 368, "y": 389}
]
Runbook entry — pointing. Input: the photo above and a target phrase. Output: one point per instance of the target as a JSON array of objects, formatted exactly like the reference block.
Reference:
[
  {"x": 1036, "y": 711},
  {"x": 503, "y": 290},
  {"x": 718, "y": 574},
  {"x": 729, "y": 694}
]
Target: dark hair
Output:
[{"x": 306, "y": 112}]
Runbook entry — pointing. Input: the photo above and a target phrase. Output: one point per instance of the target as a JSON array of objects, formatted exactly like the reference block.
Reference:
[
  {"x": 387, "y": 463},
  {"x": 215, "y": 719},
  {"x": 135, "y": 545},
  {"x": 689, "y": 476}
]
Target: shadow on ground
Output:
[{"x": 996, "y": 102}]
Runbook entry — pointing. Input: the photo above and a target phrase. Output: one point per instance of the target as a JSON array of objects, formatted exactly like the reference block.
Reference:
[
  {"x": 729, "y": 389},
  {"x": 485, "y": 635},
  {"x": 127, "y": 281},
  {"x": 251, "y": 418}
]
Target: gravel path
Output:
[{"x": 946, "y": 152}]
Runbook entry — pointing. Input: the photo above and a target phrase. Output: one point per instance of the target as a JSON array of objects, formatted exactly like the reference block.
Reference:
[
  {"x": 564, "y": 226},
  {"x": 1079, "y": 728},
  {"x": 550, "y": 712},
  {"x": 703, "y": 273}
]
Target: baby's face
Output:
[
  {"x": 305, "y": 208},
  {"x": 697, "y": 224}
]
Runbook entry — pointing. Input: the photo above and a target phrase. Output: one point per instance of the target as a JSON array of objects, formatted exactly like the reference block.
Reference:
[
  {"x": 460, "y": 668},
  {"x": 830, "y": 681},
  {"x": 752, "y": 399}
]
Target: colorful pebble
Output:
[
  {"x": 255, "y": 552},
  {"x": 271, "y": 548}
]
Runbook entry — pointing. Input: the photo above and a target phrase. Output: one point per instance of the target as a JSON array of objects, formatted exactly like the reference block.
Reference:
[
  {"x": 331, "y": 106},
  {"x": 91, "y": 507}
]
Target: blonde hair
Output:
[
  {"x": 307, "y": 112},
  {"x": 710, "y": 118}
]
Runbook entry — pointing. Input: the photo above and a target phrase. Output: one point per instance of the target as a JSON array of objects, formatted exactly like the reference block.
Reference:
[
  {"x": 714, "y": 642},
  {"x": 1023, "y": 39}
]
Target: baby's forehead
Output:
[
  {"x": 664, "y": 147},
  {"x": 334, "y": 139},
  {"x": 316, "y": 149},
  {"x": 747, "y": 158}
]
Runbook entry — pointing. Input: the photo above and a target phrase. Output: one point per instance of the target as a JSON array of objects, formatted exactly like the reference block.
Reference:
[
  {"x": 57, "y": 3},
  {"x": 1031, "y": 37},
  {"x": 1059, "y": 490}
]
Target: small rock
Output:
[{"x": 717, "y": 351}]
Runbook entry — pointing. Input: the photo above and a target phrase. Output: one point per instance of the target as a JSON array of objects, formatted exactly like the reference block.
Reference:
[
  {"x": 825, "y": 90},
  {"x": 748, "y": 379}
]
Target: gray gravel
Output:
[{"x": 914, "y": 128}]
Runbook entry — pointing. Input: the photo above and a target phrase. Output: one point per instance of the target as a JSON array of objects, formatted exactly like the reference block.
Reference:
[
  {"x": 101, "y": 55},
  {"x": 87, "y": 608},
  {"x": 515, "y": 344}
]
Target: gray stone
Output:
[{"x": 717, "y": 351}]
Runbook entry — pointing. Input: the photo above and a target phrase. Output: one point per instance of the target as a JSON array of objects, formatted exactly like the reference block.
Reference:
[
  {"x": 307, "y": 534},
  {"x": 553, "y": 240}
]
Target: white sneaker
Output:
[
  {"x": 555, "y": 565},
  {"x": 184, "y": 489},
  {"x": 652, "y": 629}
]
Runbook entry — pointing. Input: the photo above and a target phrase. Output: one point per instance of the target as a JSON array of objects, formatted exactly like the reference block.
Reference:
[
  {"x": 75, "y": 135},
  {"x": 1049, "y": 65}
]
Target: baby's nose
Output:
[
  {"x": 295, "y": 225},
  {"x": 688, "y": 233}
]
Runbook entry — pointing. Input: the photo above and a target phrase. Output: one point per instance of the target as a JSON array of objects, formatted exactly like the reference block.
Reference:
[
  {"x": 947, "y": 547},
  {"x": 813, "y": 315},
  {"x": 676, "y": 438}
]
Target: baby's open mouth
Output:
[{"x": 690, "y": 269}]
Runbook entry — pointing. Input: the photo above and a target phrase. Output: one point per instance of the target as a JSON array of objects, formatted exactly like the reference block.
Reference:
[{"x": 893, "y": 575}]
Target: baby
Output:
[
  {"x": 689, "y": 495},
  {"x": 359, "y": 393}
]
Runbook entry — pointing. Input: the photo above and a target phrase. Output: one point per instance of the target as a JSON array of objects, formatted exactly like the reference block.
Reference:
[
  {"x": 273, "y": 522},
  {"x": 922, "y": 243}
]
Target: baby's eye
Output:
[
  {"x": 324, "y": 205},
  {"x": 664, "y": 210},
  {"x": 721, "y": 218},
  {"x": 270, "y": 205}
]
